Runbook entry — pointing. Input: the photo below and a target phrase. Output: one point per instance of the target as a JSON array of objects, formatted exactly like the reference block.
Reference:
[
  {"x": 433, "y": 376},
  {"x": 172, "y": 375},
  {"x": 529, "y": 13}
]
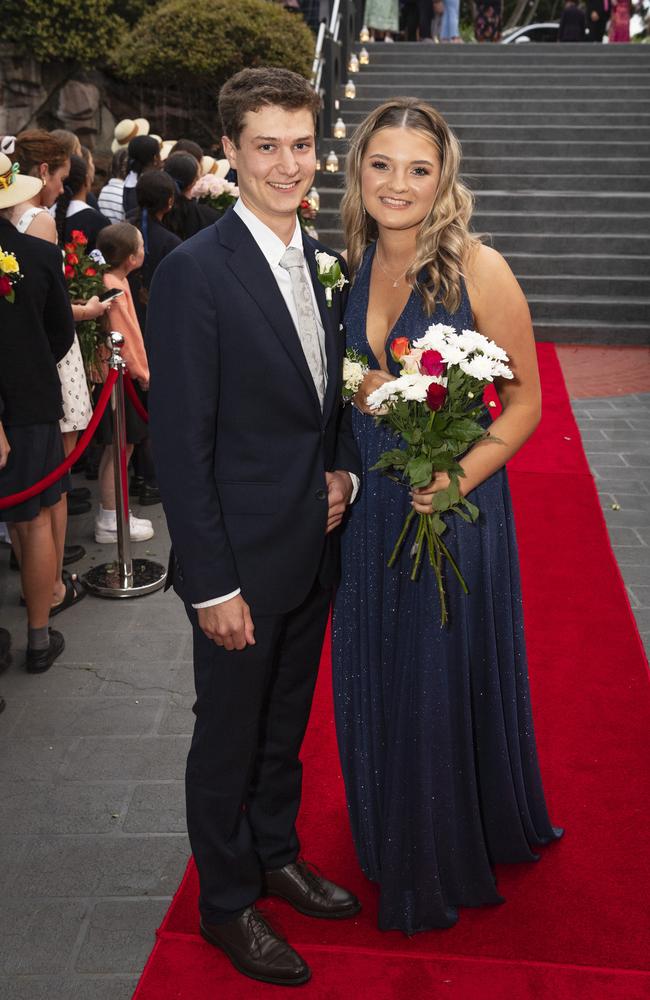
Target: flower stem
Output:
[{"x": 400, "y": 540}]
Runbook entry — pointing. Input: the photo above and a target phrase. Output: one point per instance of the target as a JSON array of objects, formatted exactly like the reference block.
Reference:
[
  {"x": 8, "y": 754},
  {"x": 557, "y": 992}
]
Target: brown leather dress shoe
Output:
[
  {"x": 256, "y": 950},
  {"x": 310, "y": 893}
]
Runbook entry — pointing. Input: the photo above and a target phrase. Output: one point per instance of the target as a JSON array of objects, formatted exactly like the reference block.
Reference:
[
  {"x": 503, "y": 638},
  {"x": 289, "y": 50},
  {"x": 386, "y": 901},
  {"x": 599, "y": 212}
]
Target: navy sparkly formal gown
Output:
[{"x": 434, "y": 725}]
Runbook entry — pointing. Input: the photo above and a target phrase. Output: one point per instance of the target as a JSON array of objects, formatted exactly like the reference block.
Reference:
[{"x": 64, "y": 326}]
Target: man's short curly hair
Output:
[{"x": 252, "y": 89}]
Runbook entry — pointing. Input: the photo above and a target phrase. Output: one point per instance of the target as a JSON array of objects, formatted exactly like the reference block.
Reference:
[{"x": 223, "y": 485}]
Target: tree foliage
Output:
[
  {"x": 201, "y": 44},
  {"x": 50, "y": 30}
]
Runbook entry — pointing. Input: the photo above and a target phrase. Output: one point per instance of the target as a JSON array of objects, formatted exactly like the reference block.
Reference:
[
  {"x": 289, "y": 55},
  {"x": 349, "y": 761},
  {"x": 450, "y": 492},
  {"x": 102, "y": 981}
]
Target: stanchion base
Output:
[{"x": 106, "y": 580}]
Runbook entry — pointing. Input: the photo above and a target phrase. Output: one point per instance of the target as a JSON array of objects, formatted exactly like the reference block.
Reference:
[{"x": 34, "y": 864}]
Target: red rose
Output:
[
  {"x": 79, "y": 237},
  {"x": 68, "y": 271},
  {"x": 400, "y": 347},
  {"x": 71, "y": 258},
  {"x": 70, "y": 247},
  {"x": 90, "y": 272},
  {"x": 431, "y": 363},
  {"x": 5, "y": 285},
  {"x": 304, "y": 204},
  {"x": 436, "y": 395}
]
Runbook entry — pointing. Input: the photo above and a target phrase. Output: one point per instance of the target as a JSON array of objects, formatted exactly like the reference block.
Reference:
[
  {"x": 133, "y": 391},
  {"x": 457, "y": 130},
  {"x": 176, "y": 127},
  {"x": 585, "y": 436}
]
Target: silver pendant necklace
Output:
[{"x": 395, "y": 281}]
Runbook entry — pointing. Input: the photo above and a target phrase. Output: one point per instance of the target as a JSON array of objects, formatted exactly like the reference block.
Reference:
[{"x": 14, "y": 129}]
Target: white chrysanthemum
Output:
[
  {"x": 435, "y": 337},
  {"x": 353, "y": 373},
  {"x": 475, "y": 341},
  {"x": 382, "y": 394},
  {"x": 479, "y": 367}
]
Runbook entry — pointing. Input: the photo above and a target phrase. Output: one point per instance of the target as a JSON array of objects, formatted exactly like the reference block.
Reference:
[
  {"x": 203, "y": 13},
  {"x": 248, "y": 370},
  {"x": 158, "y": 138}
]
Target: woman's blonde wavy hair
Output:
[{"x": 444, "y": 239}]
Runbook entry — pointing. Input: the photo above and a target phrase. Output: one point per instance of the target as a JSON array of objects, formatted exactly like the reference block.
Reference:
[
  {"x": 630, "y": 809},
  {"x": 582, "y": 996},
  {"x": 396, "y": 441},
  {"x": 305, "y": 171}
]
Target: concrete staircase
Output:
[{"x": 556, "y": 147}]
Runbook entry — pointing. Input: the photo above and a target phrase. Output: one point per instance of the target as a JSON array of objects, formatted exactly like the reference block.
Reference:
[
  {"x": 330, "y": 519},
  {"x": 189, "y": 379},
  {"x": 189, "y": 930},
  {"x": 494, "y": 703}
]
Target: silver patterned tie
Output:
[{"x": 292, "y": 260}]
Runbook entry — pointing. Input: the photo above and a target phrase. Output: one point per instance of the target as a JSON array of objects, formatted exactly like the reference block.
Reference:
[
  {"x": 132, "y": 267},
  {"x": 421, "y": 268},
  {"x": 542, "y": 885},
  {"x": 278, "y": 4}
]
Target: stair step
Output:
[
  {"x": 631, "y": 266},
  {"x": 625, "y": 205},
  {"x": 578, "y": 287},
  {"x": 602, "y": 309},
  {"x": 579, "y": 332},
  {"x": 449, "y": 104}
]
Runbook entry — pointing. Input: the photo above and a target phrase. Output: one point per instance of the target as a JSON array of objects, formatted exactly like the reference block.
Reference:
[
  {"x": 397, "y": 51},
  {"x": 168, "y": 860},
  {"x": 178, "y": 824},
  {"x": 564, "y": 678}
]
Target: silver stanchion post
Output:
[{"x": 126, "y": 577}]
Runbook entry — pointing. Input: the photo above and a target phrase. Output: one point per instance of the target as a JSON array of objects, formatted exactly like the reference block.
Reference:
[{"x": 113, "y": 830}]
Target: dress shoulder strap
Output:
[{"x": 28, "y": 217}]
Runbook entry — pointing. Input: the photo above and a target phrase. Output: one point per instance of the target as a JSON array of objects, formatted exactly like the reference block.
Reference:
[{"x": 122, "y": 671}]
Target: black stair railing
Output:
[{"x": 334, "y": 43}]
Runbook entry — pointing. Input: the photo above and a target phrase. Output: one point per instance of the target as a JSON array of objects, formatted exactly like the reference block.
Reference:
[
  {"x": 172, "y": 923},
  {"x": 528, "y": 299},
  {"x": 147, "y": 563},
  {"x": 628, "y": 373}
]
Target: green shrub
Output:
[
  {"x": 78, "y": 30},
  {"x": 202, "y": 43}
]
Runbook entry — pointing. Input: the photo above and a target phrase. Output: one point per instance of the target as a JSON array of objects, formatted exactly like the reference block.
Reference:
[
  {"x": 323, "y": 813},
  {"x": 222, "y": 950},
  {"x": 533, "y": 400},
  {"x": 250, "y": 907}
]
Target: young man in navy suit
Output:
[{"x": 256, "y": 464}]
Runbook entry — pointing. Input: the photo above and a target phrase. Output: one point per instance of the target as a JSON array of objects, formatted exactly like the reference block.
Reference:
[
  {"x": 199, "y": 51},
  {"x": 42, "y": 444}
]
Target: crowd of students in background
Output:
[{"x": 143, "y": 211}]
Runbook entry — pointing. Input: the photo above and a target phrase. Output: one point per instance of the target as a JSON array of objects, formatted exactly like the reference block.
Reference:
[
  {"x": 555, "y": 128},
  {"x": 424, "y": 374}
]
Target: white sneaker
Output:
[{"x": 106, "y": 528}]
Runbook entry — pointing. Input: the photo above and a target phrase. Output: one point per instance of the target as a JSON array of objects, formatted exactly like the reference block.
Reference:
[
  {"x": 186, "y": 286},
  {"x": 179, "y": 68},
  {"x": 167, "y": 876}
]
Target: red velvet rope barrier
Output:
[
  {"x": 135, "y": 399},
  {"x": 74, "y": 455}
]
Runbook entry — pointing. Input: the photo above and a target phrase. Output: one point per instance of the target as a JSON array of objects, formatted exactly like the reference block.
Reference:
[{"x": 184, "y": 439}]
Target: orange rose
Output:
[
  {"x": 90, "y": 271},
  {"x": 399, "y": 348},
  {"x": 71, "y": 258},
  {"x": 79, "y": 237}
]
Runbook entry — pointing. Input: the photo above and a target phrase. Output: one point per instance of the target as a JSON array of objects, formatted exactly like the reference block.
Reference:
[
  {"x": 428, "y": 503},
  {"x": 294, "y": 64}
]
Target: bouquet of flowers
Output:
[
  {"x": 434, "y": 408},
  {"x": 9, "y": 275},
  {"x": 216, "y": 192},
  {"x": 83, "y": 274}
]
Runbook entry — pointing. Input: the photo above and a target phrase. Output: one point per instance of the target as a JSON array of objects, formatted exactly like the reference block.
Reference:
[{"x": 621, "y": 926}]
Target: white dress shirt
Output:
[{"x": 273, "y": 248}]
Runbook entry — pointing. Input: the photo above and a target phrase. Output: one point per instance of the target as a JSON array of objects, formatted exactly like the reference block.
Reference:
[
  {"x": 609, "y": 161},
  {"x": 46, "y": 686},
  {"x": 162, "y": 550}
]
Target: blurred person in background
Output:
[
  {"x": 72, "y": 209},
  {"x": 111, "y": 196},
  {"x": 143, "y": 155},
  {"x": 187, "y": 216},
  {"x": 37, "y": 331}
]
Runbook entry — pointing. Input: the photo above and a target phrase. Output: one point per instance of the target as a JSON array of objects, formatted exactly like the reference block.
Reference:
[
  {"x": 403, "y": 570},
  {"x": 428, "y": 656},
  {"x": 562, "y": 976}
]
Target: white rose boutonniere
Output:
[{"x": 330, "y": 274}]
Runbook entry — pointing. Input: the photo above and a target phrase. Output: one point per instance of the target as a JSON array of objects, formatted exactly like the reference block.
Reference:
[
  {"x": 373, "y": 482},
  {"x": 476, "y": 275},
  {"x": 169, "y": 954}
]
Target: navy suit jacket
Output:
[{"x": 240, "y": 443}]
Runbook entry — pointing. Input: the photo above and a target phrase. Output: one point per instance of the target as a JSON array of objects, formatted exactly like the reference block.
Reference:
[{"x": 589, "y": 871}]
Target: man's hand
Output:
[
  {"x": 5, "y": 447},
  {"x": 339, "y": 491},
  {"x": 229, "y": 624}
]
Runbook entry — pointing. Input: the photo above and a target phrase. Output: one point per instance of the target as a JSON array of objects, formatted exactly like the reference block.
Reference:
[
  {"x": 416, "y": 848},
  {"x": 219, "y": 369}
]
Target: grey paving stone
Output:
[
  {"x": 623, "y": 536},
  {"x": 641, "y": 595},
  {"x": 37, "y": 936},
  {"x": 636, "y": 459},
  {"x": 640, "y": 574},
  {"x": 97, "y": 716},
  {"x": 178, "y": 718},
  {"x": 637, "y": 556},
  {"x": 12, "y": 849},
  {"x": 624, "y": 488},
  {"x": 128, "y": 758},
  {"x": 68, "y": 988},
  {"x": 627, "y": 435},
  {"x": 624, "y": 473},
  {"x": 643, "y": 619},
  {"x": 61, "y": 680},
  {"x": 592, "y": 434},
  {"x": 157, "y": 808},
  {"x": 45, "y": 807},
  {"x": 120, "y": 935},
  {"x": 644, "y": 535},
  {"x": 29, "y": 760},
  {"x": 627, "y": 518},
  {"x": 634, "y": 604},
  {"x": 99, "y": 866},
  {"x": 606, "y": 460},
  {"x": 147, "y": 678}
]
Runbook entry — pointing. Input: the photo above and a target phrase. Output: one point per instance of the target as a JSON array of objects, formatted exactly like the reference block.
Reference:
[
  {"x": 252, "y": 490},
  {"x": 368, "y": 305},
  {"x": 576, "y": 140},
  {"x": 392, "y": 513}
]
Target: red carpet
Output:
[{"x": 575, "y": 926}]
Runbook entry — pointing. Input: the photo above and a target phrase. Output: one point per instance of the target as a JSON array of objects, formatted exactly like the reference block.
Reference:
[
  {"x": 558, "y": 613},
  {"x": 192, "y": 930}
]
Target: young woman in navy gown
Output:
[{"x": 434, "y": 724}]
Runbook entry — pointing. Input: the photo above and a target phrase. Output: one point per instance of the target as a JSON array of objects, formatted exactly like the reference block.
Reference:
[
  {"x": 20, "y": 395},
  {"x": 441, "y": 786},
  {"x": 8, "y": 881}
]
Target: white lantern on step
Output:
[
  {"x": 314, "y": 200},
  {"x": 340, "y": 131},
  {"x": 364, "y": 57},
  {"x": 353, "y": 63},
  {"x": 364, "y": 35},
  {"x": 350, "y": 90},
  {"x": 332, "y": 162}
]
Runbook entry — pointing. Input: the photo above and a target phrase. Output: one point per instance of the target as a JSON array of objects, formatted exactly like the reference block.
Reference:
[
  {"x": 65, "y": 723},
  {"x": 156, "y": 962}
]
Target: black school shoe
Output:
[{"x": 40, "y": 660}]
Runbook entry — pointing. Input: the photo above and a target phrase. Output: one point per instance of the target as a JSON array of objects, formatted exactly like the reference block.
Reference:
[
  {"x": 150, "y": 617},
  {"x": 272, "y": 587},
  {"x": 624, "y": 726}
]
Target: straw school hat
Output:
[
  {"x": 166, "y": 148},
  {"x": 127, "y": 129},
  {"x": 14, "y": 186}
]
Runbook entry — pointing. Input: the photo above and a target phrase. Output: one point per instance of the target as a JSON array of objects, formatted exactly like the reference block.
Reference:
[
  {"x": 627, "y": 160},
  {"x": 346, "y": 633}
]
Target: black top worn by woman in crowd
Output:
[
  {"x": 144, "y": 155},
  {"x": 37, "y": 331},
  {"x": 155, "y": 192},
  {"x": 73, "y": 212},
  {"x": 188, "y": 216}
]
